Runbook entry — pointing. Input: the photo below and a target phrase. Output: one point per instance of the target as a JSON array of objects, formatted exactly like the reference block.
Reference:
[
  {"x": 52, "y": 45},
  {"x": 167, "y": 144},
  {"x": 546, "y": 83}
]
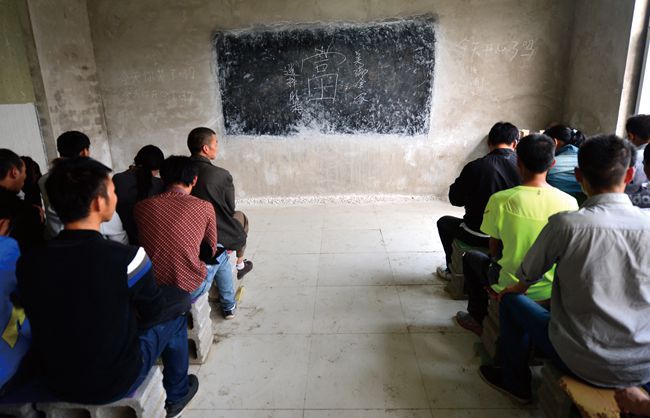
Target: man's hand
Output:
[
  {"x": 518, "y": 288},
  {"x": 633, "y": 400},
  {"x": 4, "y": 227}
]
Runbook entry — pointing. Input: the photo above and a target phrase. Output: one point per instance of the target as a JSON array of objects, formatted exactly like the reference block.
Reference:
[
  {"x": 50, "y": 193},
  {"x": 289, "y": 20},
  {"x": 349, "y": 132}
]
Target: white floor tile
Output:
[
  {"x": 358, "y": 309},
  {"x": 291, "y": 242},
  {"x": 427, "y": 308},
  {"x": 281, "y": 269},
  {"x": 255, "y": 372},
  {"x": 354, "y": 269},
  {"x": 369, "y": 413},
  {"x": 363, "y": 371},
  {"x": 416, "y": 267},
  {"x": 270, "y": 310},
  {"x": 411, "y": 240},
  {"x": 352, "y": 241},
  {"x": 230, "y": 413}
]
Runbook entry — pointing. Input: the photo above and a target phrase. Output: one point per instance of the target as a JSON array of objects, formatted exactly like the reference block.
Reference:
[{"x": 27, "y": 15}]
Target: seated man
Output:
[
  {"x": 597, "y": 327},
  {"x": 174, "y": 226},
  {"x": 639, "y": 193},
  {"x": 27, "y": 223},
  {"x": 638, "y": 132},
  {"x": 215, "y": 185},
  {"x": 99, "y": 321},
  {"x": 513, "y": 218},
  {"x": 16, "y": 334},
  {"x": 479, "y": 180},
  {"x": 72, "y": 144}
]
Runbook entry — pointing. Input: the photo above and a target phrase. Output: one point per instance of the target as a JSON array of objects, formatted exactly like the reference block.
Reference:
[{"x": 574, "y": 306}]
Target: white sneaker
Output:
[{"x": 444, "y": 273}]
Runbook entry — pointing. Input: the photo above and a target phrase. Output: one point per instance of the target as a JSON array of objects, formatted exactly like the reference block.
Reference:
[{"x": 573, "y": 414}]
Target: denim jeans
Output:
[
  {"x": 224, "y": 282},
  {"x": 167, "y": 340},
  {"x": 522, "y": 321},
  {"x": 207, "y": 282}
]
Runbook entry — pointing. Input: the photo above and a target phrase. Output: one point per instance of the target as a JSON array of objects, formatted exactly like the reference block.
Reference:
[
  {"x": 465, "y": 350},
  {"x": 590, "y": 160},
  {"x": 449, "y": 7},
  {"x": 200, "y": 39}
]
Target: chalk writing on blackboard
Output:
[{"x": 339, "y": 78}]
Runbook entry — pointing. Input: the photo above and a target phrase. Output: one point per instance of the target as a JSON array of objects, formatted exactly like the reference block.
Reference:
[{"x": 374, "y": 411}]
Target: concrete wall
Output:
[
  {"x": 496, "y": 60},
  {"x": 597, "y": 64},
  {"x": 66, "y": 62},
  {"x": 15, "y": 81}
]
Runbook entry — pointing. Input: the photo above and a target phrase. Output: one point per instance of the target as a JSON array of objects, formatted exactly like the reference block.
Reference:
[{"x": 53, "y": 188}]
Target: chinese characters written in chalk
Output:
[
  {"x": 291, "y": 78},
  {"x": 360, "y": 72},
  {"x": 510, "y": 50},
  {"x": 323, "y": 75}
]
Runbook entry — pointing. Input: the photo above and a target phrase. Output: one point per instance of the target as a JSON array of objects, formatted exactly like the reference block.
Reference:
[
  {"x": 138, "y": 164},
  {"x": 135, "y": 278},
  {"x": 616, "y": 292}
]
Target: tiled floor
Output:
[{"x": 341, "y": 317}]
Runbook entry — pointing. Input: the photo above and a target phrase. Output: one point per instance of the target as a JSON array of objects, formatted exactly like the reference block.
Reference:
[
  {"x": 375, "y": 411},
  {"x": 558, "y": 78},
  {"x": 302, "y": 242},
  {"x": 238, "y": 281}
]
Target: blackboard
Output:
[{"x": 342, "y": 78}]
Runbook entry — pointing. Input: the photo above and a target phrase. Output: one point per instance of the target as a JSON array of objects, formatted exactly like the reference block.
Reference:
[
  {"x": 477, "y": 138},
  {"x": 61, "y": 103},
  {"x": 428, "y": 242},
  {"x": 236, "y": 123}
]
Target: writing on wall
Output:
[{"x": 372, "y": 78}]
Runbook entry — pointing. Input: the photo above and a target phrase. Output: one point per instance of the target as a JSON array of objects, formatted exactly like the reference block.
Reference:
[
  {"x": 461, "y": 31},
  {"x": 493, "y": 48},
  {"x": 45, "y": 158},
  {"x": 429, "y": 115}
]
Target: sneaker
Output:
[
  {"x": 444, "y": 273},
  {"x": 492, "y": 376},
  {"x": 176, "y": 409},
  {"x": 248, "y": 266},
  {"x": 466, "y": 321},
  {"x": 229, "y": 313}
]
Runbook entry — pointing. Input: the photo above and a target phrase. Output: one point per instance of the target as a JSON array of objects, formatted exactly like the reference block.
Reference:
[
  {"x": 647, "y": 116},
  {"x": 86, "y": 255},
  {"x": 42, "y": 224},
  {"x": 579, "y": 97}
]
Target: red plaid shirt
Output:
[{"x": 171, "y": 227}]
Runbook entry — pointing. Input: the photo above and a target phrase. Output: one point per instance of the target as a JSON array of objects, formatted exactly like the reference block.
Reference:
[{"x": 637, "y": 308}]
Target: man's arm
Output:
[
  {"x": 458, "y": 190},
  {"x": 145, "y": 293},
  {"x": 544, "y": 253},
  {"x": 229, "y": 193},
  {"x": 209, "y": 242},
  {"x": 496, "y": 246}
]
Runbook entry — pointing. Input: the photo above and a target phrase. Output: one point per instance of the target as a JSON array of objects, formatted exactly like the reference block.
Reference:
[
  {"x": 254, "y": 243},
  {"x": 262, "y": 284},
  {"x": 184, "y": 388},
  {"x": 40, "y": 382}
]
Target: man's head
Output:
[
  {"x": 535, "y": 154},
  {"x": 12, "y": 171},
  {"x": 638, "y": 129},
  {"x": 179, "y": 171},
  {"x": 646, "y": 162},
  {"x": 503, "y": 134},
  {"x": 80, "y": 188},
  {"x": 203, "y": 141},
  {"x": 604, "y": 164},
  {"x": 73, "y": 144}
]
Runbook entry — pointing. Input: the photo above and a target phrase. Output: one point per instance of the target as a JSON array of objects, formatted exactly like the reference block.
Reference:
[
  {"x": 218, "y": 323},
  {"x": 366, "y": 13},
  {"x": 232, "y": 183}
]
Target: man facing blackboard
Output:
[{"x": 216, "y": 186}]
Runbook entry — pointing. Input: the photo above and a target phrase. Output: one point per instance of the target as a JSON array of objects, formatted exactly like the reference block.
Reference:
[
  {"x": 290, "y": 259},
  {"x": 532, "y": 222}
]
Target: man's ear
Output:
[
  {"x": 552, "y": 164},
  {"x": 196, "y": 178},
  {"x": 14, "y": 172},
  {"x": 629, "y": 174},
  {"x": 578, "y": 173}
]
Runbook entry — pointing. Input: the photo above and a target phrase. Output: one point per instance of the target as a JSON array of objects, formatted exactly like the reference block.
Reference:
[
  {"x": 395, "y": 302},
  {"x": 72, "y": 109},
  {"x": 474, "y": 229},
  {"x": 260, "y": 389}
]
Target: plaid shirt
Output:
[{"x": 171, "y": 228}]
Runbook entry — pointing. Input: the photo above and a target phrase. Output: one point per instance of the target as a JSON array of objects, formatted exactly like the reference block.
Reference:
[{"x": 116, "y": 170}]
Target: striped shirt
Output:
[{"x": 172, "y": 227}]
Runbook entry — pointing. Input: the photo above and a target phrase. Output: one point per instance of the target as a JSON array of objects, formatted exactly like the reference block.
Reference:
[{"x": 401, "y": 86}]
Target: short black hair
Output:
[
  {"x": 604, "y": 159},
  {"x": 71, "y": 143},
  {"x": 72, "y": 185},
  {"x": 639, "y": 125},
  {"x": 178, "y": 169},
  {"x": 536, "y": 152},
  {"x": 503, "y": 133},
  {"x": 8, "y": 160},
  {"x": 199, "y": 137},
  {"x": 566, "y": 134}
]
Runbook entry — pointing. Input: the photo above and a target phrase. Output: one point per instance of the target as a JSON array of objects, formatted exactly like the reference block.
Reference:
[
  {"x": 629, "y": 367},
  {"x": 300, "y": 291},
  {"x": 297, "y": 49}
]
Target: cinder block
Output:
[
  {"x": 490, "y": 337},
  {"x": 456, "y": 287},
  {"x": 553, "y": 400},
  {"x": 23, "y": 410},
  {"x": 148, "y": 401},
  {"x": 199, "y": 315},
  {"x": 199, "y": 344}
]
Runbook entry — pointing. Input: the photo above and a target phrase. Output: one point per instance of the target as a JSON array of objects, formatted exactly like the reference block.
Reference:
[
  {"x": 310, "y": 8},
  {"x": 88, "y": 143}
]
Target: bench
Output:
[
  {"x": 148, "y": 401},
  {"x": 562, "y": 396},
  {"x": 199, "y": 330},
  {"x": 456, "y": 286},
  {"x": 490, "y": 336}
]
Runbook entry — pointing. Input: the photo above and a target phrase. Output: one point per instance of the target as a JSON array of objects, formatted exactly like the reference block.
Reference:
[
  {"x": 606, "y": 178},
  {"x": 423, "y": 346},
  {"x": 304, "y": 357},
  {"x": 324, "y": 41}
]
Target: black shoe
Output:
[
  {"x": 492, "y": 376},
  {"x": 248, "y": 266},
  {"x": 176, "y": 409}
]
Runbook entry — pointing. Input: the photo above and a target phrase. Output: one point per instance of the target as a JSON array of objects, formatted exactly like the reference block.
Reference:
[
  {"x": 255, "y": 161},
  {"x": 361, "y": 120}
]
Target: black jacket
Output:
[
  {"x": 86, "y": 298},
  {"x": 26, "y": 225},
  {"x": 480, "y": 179},
  {"x": 215, "y": 185}
]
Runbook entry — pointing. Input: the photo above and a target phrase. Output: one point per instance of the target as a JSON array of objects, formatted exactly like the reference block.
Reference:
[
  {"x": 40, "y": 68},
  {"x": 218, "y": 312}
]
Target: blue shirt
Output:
[
  {"x": 561, "y": 175},
  {"x": 15, "y": 332}
]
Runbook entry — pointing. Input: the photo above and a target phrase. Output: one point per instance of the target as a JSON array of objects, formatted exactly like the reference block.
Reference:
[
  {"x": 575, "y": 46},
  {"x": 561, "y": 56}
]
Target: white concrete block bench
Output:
[
  {"x": 148, "y": 401},
  {"x": 456, "y": 286},
  {"x": 199, "y": 330}
]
